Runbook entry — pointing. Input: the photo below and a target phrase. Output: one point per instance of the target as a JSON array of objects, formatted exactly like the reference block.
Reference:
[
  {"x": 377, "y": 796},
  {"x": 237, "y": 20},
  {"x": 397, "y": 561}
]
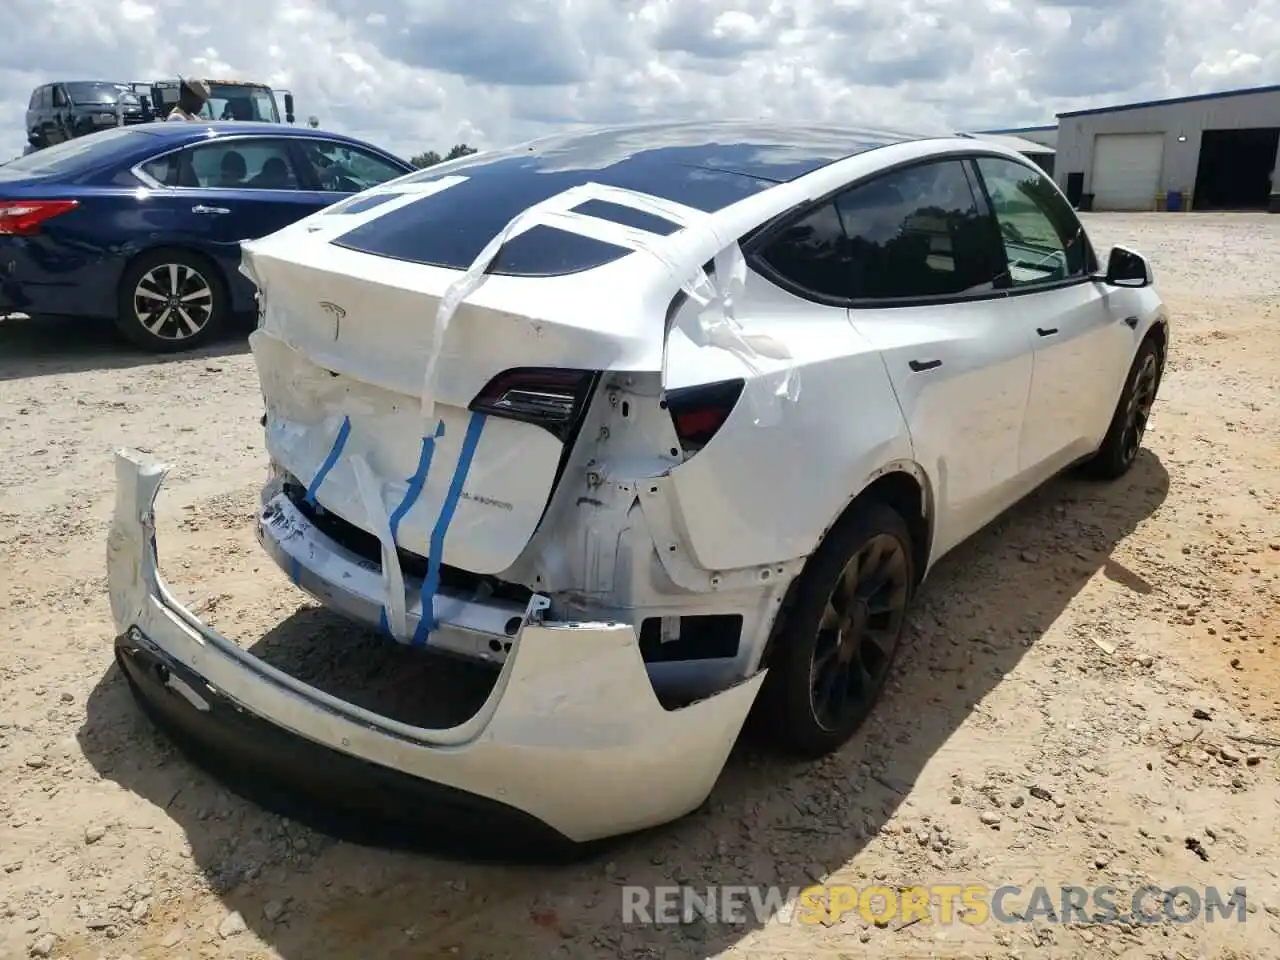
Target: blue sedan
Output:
[{"x": 144, "y": 223}]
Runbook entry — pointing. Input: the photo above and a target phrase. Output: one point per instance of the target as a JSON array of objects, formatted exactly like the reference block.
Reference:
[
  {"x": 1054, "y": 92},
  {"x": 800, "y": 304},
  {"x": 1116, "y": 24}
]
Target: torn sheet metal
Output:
[{"x": 714, "y": 299}]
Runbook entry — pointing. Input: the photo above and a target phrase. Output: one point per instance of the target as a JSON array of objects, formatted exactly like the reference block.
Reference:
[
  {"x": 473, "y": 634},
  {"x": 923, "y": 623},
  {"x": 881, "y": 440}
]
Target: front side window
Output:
[
  {"x": 341, "y": 168},
  {"x": 912, "y": 233},
  {"x": 59, "y": 97},
  {"x": 239, "y": 165},
  {"x": 1043, "y": 240}
]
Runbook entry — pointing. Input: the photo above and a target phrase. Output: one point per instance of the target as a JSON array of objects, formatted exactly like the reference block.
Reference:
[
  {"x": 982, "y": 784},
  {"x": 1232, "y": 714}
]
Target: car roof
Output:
[
  {"x": 704, "y": 165},
  {"x": 769, "y": 150},
  {"x": 225, "y": 128},
  {"x": 123, "y": 147}
]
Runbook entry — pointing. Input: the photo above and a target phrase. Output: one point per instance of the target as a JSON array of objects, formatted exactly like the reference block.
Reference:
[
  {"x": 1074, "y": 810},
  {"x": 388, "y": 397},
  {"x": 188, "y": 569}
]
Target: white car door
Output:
[
  {"x": 924, "y": 265},
  {"x": 1082, "y": 344}
]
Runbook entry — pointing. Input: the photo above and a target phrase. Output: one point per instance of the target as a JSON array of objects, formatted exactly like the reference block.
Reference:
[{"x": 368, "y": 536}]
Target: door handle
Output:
[
  {"x": 919, "y": 366},
  {"x": 201, "y": 208},
  {"x": 1046, "y": 331}
]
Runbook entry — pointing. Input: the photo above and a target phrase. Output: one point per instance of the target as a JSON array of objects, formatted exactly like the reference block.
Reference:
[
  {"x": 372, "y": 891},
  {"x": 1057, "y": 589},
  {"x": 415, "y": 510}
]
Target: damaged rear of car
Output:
[
  {"x": 471, "y": 449},
  {"x": 535, "y": 409}
]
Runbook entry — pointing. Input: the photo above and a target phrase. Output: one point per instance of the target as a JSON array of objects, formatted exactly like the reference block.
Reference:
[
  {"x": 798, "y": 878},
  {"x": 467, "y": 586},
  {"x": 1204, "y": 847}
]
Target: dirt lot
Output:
[{"x": 1111, "y": 647}]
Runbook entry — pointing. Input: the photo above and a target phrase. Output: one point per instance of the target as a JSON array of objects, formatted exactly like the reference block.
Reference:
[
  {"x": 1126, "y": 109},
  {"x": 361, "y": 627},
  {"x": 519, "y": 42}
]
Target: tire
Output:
[
  {"x": 806, "y": 653},
  {"x": 1120, "y": 446},
  {"x": 191, "y": 296}
]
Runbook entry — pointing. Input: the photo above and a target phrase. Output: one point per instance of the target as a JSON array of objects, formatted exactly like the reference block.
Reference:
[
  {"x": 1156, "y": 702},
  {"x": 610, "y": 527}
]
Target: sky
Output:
[{"x": 414, "y": 75}]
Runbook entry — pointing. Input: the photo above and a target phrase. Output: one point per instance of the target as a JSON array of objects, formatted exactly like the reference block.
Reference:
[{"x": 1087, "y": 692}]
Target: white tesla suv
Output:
[{"x": 659, "y": 420}]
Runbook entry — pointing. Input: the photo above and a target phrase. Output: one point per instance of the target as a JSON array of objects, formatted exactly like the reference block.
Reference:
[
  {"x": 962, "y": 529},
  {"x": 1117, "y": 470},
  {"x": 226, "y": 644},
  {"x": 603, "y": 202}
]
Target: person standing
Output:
[{"x": 192, "y": 96}]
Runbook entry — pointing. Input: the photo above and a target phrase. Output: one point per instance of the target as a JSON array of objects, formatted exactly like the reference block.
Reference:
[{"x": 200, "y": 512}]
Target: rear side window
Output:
[
  {"x": 241, "y": 164},
  {"x": 165, "y": 170},
  {"x": 814, "y": 253},
  {"x": 229, "y": 165},
  {"x": 912, "y": 233}
]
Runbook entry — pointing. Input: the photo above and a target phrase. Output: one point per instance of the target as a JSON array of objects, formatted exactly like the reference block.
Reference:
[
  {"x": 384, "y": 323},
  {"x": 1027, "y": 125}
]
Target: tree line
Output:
[{"x": 431, "y": 158}]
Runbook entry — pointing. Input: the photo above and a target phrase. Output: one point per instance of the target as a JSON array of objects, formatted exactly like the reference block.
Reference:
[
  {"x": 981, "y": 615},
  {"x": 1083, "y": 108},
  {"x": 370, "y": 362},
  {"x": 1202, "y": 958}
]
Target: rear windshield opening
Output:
[{"x": 73, "y": 156}]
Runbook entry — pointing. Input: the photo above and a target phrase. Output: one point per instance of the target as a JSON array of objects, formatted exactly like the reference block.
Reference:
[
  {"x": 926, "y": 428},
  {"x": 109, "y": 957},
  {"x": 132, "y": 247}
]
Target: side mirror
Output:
[
  {"x": 1125, "y": 268},
  {"x": 288, "y": 108}
]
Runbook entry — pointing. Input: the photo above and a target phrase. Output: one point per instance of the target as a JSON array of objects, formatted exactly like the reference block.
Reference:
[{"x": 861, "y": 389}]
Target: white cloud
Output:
[{"x": 413, "y": 75}]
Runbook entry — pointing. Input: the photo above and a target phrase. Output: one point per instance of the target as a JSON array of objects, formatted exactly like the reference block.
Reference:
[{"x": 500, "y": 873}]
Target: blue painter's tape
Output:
[
  {"x": 417, "y": 481},
  {"x": 335, "y": 452},
  {"x": 475, "y": 426}
]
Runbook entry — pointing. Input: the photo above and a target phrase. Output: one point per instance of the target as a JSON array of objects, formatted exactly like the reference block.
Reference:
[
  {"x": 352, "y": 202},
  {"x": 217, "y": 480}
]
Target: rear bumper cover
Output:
[{"x": 571, "y": 737}]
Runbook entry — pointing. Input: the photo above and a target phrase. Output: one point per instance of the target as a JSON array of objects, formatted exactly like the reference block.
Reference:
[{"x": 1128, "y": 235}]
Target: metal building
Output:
[
  {"x": 1215, "y": 151},
  {"x": 1046, "y": 135}
]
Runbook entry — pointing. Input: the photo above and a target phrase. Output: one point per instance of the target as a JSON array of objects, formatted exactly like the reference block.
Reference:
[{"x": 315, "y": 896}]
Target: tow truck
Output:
[{"x": 228, "y": 100}]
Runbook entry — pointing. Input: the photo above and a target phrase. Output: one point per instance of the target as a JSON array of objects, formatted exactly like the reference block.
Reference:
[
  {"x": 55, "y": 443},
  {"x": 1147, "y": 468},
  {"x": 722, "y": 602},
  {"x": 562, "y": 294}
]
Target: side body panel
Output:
[
  {"x": 1083, "y": 348},
  {"x": 793, "y": 451},
  {"x": 72, "y": 266},
  {"x": 217, "y": 221},
  {"x": 963, "y": 402}
]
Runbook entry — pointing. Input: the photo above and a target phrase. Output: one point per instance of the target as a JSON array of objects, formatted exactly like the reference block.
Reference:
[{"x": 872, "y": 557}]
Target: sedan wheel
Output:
[{"x": 171, "y": 300}]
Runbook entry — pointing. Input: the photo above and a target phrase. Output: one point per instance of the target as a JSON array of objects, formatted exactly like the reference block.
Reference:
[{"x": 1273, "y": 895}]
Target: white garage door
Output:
[{"x": 1126, "y": 170}]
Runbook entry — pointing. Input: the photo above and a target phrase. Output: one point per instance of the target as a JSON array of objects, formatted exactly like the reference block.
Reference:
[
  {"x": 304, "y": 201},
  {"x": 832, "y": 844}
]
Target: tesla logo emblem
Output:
[{"x": 337, "y": 313}]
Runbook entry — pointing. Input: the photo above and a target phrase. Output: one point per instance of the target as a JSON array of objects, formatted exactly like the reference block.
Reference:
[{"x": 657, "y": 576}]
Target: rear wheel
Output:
[
  {"x": 171, "y": 300},
  {"x": 841, "y": 634}
]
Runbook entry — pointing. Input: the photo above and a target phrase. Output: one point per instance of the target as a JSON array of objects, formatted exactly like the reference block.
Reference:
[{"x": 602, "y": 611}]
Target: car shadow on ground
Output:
[
  {"x": 44, "y": 346},
  {"x": 768, "y": 821}
]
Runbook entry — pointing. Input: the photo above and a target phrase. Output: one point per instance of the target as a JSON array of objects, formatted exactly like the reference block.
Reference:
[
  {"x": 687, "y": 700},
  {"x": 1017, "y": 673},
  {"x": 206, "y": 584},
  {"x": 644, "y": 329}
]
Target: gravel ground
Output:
[{"x": 1089, "y": 695}]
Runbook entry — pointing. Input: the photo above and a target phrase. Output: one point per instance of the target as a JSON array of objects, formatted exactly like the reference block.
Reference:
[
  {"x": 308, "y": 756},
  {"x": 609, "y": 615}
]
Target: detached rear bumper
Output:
[{"x": 571, "y": 744}]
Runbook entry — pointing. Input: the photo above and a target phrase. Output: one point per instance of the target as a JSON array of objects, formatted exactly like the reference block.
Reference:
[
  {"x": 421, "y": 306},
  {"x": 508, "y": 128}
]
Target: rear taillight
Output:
[
  {"x": 22, "y": 218},
  {"x": 699, "y": 412},
  {"x": 547, "y": 397}
]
